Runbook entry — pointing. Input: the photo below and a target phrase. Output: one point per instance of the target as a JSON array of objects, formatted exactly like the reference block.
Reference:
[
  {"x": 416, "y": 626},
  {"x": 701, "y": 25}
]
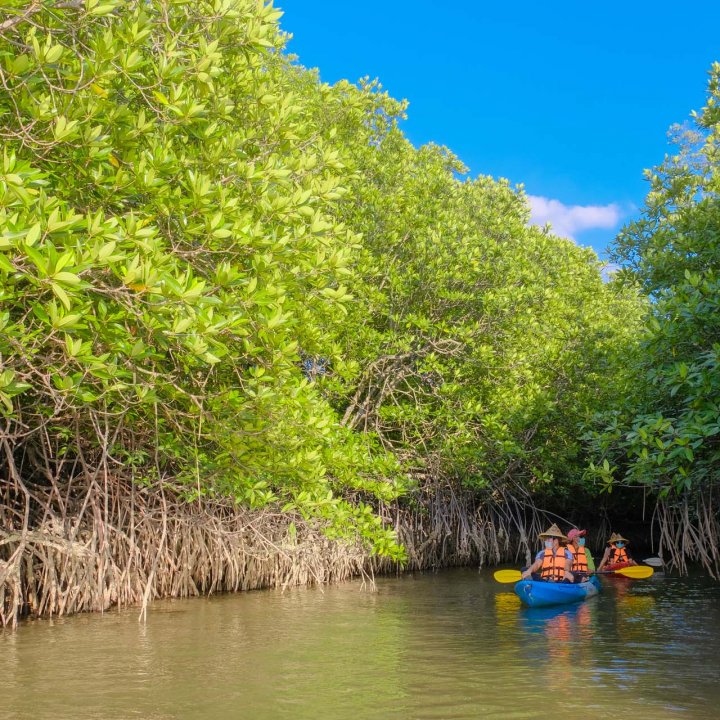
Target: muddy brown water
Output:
[{"x": 453, "y": 644}]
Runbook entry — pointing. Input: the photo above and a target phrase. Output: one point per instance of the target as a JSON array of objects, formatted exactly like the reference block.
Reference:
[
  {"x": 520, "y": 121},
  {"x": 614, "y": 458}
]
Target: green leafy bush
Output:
[
  {"x": 665, "y": 434},
  {"x": 219, "y": 273}
]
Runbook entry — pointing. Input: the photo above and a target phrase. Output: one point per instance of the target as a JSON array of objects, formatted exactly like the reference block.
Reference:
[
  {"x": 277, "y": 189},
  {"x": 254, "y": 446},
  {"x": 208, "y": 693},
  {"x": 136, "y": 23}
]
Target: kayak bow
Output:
[{"x": 538, "y": 593}]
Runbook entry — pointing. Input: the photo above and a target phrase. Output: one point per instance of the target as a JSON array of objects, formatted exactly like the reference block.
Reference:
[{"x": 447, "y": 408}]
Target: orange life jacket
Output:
[
  {"x": 617, "y": 555},
  {"x": 553, "y": 565},
  {"x": 580, "y": 563}
]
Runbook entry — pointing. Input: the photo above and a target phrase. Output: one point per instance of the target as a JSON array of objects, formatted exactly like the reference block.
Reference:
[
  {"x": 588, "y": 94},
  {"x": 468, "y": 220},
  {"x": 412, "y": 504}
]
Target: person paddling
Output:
[
  {"x": 554, "y": 562},
  {"x": 616, "y": 552},
  {"x": 583, "y": 563}
]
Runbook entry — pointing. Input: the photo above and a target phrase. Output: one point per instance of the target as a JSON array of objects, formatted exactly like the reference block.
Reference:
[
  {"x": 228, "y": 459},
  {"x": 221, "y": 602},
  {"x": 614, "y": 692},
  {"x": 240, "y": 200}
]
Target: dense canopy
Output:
[{"x": 218, "y": 274}]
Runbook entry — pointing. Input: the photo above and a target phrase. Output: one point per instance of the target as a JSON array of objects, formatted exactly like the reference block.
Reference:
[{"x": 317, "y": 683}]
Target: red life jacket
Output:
[
  {"x": 553, "y": 565},
  {"x": 580, "y": 563},
  {"x": 617, "y": 555}
]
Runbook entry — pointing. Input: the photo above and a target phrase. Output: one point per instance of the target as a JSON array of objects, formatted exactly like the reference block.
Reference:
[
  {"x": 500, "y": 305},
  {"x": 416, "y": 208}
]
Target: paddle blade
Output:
[
  {"x": 654, "y": 561},
  {"x": 507, "y": 576},
  {"x": 636, "y": 571}
]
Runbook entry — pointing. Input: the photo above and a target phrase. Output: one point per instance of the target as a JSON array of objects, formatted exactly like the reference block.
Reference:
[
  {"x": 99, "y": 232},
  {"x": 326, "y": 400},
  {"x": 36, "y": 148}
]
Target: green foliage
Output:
[
  {"x": 479, "y": 344},
  {"x": 666, "y": 434},
  {"x": 187, "y": 221},
  {"x": 166, "y": 250}
]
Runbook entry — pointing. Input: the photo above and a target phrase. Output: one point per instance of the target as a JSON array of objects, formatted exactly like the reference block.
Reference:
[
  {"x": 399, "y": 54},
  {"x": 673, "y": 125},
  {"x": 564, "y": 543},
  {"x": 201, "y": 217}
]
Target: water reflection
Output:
[
  {"x": 507, "y": 605},
  {"x": 448, "y": 645},
  {"x": 555, "y": 621}
]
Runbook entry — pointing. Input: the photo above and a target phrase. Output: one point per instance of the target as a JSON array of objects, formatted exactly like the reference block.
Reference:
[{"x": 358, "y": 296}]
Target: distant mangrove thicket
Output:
[
  {"x": 664, "y": 435},
  {"x": 250, "y": 335}
]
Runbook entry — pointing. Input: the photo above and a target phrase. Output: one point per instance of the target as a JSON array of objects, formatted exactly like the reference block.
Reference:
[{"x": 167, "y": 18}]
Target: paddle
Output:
[
  {"x": 633, "y": 571},
  {"x": 507, "y": 576},
  {"x": 638, "y": 572},
  {"x": 654, "y": 561}
]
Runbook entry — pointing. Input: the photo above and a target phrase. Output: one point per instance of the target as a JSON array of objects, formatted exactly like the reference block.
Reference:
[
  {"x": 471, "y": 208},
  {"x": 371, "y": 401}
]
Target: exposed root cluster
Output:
[
  {"x": 689, "y": 531},
  {"x": 89, "y": 546},
  {"x": 443, "y": 526},
  {"x": 120, "y": 545}
]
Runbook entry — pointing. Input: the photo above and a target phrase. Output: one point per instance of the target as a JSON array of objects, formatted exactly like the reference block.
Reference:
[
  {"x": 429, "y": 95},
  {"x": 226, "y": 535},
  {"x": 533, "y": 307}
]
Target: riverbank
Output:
[
  {"x": 88, "y": 545},
  {"x": 94, "y": 546},
  {"x": 91, "y": 545}
]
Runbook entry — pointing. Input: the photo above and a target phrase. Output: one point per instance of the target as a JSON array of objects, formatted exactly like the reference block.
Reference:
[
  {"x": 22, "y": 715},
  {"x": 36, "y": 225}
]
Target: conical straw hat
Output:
[
  {"x": 553, "y": 532},
  {"x": 617, "y": 537}
]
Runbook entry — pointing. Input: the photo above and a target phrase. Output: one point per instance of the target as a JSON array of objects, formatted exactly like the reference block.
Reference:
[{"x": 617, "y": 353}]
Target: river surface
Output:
[{"x": 454, "y": 644}]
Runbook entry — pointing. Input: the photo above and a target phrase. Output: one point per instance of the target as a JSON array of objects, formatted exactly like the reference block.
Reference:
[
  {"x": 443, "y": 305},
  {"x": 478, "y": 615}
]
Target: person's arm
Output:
[
  {"x": 604, "y": 560},
  {"x": 533, "y": 568},
  {"x": 568, "y": 566}
]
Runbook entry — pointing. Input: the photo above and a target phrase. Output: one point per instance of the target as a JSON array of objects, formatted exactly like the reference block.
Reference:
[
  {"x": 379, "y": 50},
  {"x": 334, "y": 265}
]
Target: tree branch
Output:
[{"x": 36, "y": 7}]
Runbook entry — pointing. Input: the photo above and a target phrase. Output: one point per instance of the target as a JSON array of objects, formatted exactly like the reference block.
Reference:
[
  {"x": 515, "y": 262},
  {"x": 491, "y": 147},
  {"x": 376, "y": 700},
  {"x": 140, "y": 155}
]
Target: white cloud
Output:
[{"x": 568, "y": 220}]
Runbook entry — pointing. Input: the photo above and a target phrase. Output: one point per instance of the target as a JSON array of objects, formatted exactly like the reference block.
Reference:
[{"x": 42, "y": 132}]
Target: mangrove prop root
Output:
[
  {"x": 98, "y": 540},
  {"x": 116, "y": 544},
  {"x": 84, "y": 545},
  {"x": 689, "y": 531},
  {"x": 444, "y": 526}
]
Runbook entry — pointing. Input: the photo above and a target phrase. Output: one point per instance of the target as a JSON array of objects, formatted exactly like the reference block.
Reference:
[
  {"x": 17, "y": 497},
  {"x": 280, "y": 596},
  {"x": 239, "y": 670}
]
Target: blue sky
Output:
[{"x": 571, "y": 99}]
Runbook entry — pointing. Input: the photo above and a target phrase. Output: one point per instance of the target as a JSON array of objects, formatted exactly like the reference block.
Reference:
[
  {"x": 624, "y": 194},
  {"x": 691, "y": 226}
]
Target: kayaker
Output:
[
  {"x": 554, "y": 562},
  {"x": 583, "y": 563},
  {"x": 616, "y": 552}
]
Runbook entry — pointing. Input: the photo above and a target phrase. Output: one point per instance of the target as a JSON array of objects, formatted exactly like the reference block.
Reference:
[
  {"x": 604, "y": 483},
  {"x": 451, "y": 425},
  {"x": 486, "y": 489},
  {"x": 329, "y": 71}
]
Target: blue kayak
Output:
[{"x": 538, "y": 593}]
